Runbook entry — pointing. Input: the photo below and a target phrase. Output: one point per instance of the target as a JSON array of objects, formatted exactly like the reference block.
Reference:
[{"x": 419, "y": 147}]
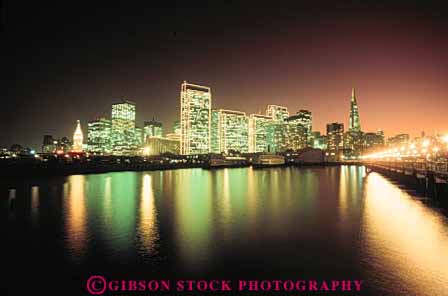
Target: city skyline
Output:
[
  {"x": 167, "y": 126},
  {"x": 299, "y": 56}
]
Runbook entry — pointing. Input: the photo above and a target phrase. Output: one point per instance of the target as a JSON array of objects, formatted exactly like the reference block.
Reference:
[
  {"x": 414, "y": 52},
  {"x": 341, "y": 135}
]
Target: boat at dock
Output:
[
  {"x": 225, "y": 162},
  {"x": 268, "y": 160}
]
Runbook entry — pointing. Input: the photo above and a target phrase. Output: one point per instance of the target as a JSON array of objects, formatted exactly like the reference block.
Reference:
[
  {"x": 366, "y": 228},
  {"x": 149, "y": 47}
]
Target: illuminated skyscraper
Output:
[
  {"x": 230, "y": 131},
  {"x": 153, "y": 128},
  {"x": 354, "y": 122},
  {"x": 99, "y": 136},
  {"x": 139, "y": 137},
  {"x": 335, "y": 139},
  {"x": 214, "y": 132},
  {"x": 374, "y": 140},
  {"x": 279, "y": 113},
  {"x": 319, "y": 141},
  {"x": 78, "y": 138},
  {"x": 305, "y": 119},
  {"x": 123, "y": 128},
  {"x": 282, "y": 136},
  {"x": 353, "y": 138},
  {"x": 258, "y": 132},
  {"x": 195, "y": 119}
]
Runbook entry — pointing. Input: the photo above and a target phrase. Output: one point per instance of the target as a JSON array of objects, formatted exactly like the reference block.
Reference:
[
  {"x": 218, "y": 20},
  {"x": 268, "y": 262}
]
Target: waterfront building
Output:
[
  {"x": 283, "y": 136},
  {"x": 373, "y": 140},
  {"x": 99, "y": 136},
  {"x": 214, "y": 132},
  {"x": 139, "y": 137},
  {"x": 353, "y": 144},
  {"x": 258, "y": 132},
  {"x": 195, "y": 119},
  {"x": 78, "y": 138},
  {"x": 123, "y": 128},
  {"x": 398, "y": 140},
  {"x": 48, "y": 144},
  {"x": 319, "y": 141},
  {"x": 152, "y": 128},
  {"x": 335, "y": 140},
  {"x": 159, "y": 145},
  {"x": 305, "y": 119},
  {"x": 230, "y": 131},
  {"x": 64, "y": 145},
  {"x": 278, "y": 113}
]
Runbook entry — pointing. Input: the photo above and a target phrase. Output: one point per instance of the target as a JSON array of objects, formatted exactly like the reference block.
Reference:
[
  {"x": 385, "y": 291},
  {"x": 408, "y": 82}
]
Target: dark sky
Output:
[{"x": 70, "y": 60}]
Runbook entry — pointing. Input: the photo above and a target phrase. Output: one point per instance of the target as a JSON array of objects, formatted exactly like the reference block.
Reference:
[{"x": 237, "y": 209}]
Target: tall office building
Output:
[
  {"x": 123, "y": 128},
  {"x": 258, "y": 132},
  {"x": 282, "y": 136},
  {"x": 139, "y": 137},
  {"x": 353, "y": 138},
  {"x": 354, "y": 122},
  {"x": 305, "y": 119},
  {"x": 335, "y": 139},
  {"x": 78, "y": 138},
  {"x": 374, "y": 140},
  {"x": 99, "y": 136},
  {"x": 279, "y": 113},
  {"x": 153, "y": 128},
  {"x": 319, "y": 141},
  {"x": 195, "y": 119},
  {"x": 230, "y": 131},
  {"x": 214, "y": 132}
]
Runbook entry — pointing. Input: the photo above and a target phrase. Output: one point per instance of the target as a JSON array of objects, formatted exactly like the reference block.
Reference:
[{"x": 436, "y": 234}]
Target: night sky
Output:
[{"x": 71, "y": 60}]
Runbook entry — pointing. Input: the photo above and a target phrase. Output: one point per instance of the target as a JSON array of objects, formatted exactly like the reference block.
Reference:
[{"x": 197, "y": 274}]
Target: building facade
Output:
[
  {"x": 278, "y": 113},
  {"x": 153, "y": 128},
  {"x": 258, "y": 132},
  {"x": 158, "y": 145},
  {"x": 230, "y": 131},
  {"x": 123, "y": 137},
  {"x": 305, "y": 119},
  {"x": 99, "y": 136},
  {"x": 335, "y": 140},
  {"x": 195, "y": 119}
]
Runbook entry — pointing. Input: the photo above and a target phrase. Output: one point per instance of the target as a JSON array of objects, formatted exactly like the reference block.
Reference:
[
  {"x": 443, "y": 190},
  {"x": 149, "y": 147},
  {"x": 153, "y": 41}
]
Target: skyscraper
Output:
[
  {"x": 353, "y": 138},
  {"x": 230, "y": 131},
  {"x": 195, "y": 118},
  {"x": 335, "y": 139},
  {"x": 258, "y": 132},
  {"x": 152, "y": 128},
  {"x": 354, "y": 122},
  {"x": 279, "y": 113},
  {"x": 123, "y": 128},
  {"x": 78, "y": 138},
  {"x": 305, "y": 119},
  {"x": 99, "y": 136},
  {"x": 139, "y": 137}
]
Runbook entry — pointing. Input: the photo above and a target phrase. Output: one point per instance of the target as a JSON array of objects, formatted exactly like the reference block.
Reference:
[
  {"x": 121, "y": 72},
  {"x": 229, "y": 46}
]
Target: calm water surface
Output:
[{"x": 282, "y": 223}]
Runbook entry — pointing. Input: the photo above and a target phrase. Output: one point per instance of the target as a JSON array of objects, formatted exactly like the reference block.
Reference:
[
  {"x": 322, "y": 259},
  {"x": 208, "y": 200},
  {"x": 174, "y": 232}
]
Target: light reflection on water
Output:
[
  {"x": 328, "y": 222},
  {"x": 405, "y": 243}
]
